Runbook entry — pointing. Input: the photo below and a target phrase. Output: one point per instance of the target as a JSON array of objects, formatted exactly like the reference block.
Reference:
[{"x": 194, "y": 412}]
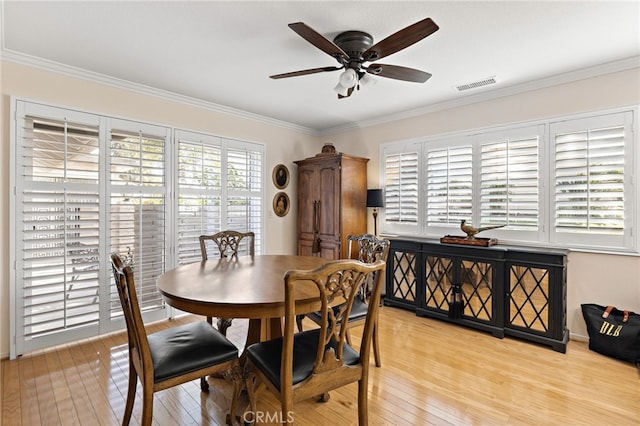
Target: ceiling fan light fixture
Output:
[
  {"x": 349, "y": 78},
  {"x": 341, "y": 90},
  {"x": 366, "y": 80}
]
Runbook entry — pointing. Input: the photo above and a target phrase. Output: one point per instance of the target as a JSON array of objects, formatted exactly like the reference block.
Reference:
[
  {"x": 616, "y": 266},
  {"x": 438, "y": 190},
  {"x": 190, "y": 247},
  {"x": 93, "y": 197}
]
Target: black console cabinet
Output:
[{"x": 504, "y": 290}]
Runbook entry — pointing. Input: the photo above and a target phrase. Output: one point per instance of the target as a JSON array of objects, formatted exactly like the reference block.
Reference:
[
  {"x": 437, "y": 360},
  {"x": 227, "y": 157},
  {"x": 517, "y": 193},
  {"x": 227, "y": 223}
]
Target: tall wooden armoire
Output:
[{"x": 332, "y": 197}]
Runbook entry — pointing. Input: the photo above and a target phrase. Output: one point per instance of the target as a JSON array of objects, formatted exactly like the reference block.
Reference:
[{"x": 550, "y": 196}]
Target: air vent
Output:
[{"x": 475, "y": 84}]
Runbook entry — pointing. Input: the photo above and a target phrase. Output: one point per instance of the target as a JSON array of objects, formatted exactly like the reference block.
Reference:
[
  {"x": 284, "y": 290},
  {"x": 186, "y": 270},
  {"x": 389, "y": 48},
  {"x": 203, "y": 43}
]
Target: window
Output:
[
  {"x": 87, "y": 185},
  {"x": 592, "y": 186},
  {"x": 56, "y": 286},
  {"x": 200, "y": 192},
  {"x": 449, "y": 184},
  {"x": 210, "y": 200},
  {"x": 401, "y": 189},
  {"x": 138, "y": 206},
  {"x": 510, "y": 181},
  {"x": 567, "y": 182}
]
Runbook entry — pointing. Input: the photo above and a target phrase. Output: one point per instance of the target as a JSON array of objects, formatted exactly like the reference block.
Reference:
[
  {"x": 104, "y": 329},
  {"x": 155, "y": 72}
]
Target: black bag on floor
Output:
[{"x": 613, "y": 332}]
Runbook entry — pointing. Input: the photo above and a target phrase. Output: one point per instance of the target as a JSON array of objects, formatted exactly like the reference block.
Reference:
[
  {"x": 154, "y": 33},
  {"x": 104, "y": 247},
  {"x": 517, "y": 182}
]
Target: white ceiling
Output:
[{"x": 223, "y": 52}]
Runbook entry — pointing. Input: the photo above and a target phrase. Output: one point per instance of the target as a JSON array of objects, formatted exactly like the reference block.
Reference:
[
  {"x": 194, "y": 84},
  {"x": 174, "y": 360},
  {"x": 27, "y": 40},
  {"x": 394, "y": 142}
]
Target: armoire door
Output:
[
  {"x": 329, "y": 203},
  {"x": 308, "y": 191}
]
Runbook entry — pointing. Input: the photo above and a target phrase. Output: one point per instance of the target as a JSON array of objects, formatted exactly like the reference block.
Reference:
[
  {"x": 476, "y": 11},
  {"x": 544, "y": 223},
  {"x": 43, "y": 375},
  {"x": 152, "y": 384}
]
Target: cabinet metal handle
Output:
[{"x": 316, "y": 216}]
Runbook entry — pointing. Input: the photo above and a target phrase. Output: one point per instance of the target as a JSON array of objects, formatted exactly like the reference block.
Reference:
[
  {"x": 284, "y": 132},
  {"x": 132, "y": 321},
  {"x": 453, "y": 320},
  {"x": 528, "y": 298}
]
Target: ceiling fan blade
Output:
[
  {"x": 305, "y": 72},
  {"x": 319, "y": 41},
  {"x": 398, "y": 73},
  {"x": 400, "y": 40},
  {"x": 349, "y": 92}
]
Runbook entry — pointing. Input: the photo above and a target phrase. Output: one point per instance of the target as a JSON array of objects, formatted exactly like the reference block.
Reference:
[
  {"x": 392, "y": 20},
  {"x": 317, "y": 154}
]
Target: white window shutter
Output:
[
  {"x": 86, "y": 185},
  {"x": 58, "y": 205},
  {"x": 244, "y": 170},
  {"x": 449, "y": 185},
  {"x": 509, "y": 181},
  {"x": 591, "y": 176},
  {"x": 138, "y": 206},
  {"x": 199, "y": 192},
  {"x": 219, "y": 188},
  {"x": 401, "y": 188}
]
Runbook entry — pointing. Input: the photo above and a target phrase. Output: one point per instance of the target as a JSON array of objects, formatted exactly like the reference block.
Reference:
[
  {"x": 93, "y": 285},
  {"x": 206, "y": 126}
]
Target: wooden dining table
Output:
[{"x": 240, "y": 287}]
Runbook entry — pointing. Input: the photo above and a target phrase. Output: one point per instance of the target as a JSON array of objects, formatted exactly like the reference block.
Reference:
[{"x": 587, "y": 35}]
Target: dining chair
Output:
[
  {"x": 229, "y": 243},
  {"x": 172, "y": 356},
  {"x": 369, "y": 249},
  {"x": 301, "y": 365}
]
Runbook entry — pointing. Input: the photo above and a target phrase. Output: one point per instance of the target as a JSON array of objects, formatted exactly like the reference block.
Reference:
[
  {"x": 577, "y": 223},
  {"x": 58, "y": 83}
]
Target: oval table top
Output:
[{"x": 242, "y": 287}]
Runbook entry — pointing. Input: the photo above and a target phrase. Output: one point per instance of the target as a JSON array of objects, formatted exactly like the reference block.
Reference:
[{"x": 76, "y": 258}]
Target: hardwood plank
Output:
[
  {"x": 94, "y": 379},
  {"x": 433, "y": 373},
  {"x": 11, "y": 401},
  {"x": 81, "y": 399},
  {"x": 46, "y": 394},
  {"x": 30, "y": 413},
  {"x": 112, "y": 379},
  {"x": 61, "y": 392}
]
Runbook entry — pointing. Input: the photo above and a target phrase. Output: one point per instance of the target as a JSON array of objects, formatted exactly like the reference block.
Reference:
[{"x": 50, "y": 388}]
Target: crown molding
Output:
[
  {"x": 598, "y": 70},
  {"x": 94, "y": 77},
  {"x": 581, "y": 74}
]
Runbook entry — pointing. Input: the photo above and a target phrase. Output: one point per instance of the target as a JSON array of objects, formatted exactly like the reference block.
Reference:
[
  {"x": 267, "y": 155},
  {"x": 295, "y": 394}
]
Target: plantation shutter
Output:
[
  {"x": 57, "y": 221},
  {"x": 84, "y": 185},
  {"x": 449, "y": 185},
  {"x": 199, "y": 192},
  {"x": 219, "y": 188},
  {"x": 590, "y": 166},
  {"x": 401, "y": 188},
  {"x": 138, "y": 210},
  {"x": 509, "y": 179},
  {"x": 244, "y": 189}
]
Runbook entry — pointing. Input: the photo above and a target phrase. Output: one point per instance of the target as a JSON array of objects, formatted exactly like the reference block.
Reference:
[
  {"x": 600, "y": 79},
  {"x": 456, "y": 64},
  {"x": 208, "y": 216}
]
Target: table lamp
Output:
[{"x": 375, "y": 199}]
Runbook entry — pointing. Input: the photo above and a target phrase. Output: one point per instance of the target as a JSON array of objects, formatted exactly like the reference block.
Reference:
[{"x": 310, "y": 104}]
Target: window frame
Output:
[
  {"x": 21, "y": 109},
  {"x": 603, "y": 242},
  {"x": 400, "y": 228},
  {"x": 224, "y": 192},
  {"x": 544, "y": 235}
]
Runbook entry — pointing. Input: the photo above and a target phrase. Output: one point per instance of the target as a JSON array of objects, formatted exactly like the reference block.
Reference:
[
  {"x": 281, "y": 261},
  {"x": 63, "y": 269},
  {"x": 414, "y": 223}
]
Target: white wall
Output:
[
  {"x": 597, "y": 278},
  {"x": 283, "y": 145}
]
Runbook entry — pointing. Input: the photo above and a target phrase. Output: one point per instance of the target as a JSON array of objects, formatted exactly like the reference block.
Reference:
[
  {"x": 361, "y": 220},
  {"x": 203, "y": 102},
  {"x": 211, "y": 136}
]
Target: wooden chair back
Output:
[
  {"x": 229, "y": 243},
  {"x": 139, "y": 352},
  {"x": 368, "y": 249},
  {"x": 337, "y": 283}
]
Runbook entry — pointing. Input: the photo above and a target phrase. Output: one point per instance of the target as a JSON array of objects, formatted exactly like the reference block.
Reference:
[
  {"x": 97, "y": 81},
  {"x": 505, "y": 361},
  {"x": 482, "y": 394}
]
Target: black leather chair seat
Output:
[
  {"x": 267, "y": 356},
  {"x": 179, "y": 350},
  {"x": 358, "y": 311}
]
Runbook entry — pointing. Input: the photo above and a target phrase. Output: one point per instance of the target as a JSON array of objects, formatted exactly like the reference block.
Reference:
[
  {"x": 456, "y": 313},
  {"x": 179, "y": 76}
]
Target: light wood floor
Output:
[{"x": 432, "y": 373}]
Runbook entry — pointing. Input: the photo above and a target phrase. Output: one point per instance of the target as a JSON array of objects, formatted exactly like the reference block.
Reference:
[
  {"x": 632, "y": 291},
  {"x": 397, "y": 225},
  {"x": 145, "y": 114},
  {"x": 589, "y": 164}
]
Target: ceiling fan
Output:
[{"x": 352, "y": 49}]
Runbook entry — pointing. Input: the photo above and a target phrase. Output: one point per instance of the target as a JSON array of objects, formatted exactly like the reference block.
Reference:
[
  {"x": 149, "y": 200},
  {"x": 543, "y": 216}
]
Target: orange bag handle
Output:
[{"x": 607, "y": 312}]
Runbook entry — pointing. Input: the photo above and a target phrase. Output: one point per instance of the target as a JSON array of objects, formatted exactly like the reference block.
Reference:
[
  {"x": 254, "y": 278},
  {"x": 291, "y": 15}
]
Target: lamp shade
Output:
[{"x": 375, "y": 198}]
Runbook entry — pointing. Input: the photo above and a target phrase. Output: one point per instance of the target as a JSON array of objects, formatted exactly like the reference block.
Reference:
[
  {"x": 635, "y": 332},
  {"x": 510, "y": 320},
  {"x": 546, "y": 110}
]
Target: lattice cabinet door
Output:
[
  {"x": 536, "y": 298},
  {"x": 402, "y": 276},
  {"x": 462, "y": 289},
  {"x": 477, "y": 282},
  {"x": 528, "y": 298},
  {"x": 439, "y": 277}
]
